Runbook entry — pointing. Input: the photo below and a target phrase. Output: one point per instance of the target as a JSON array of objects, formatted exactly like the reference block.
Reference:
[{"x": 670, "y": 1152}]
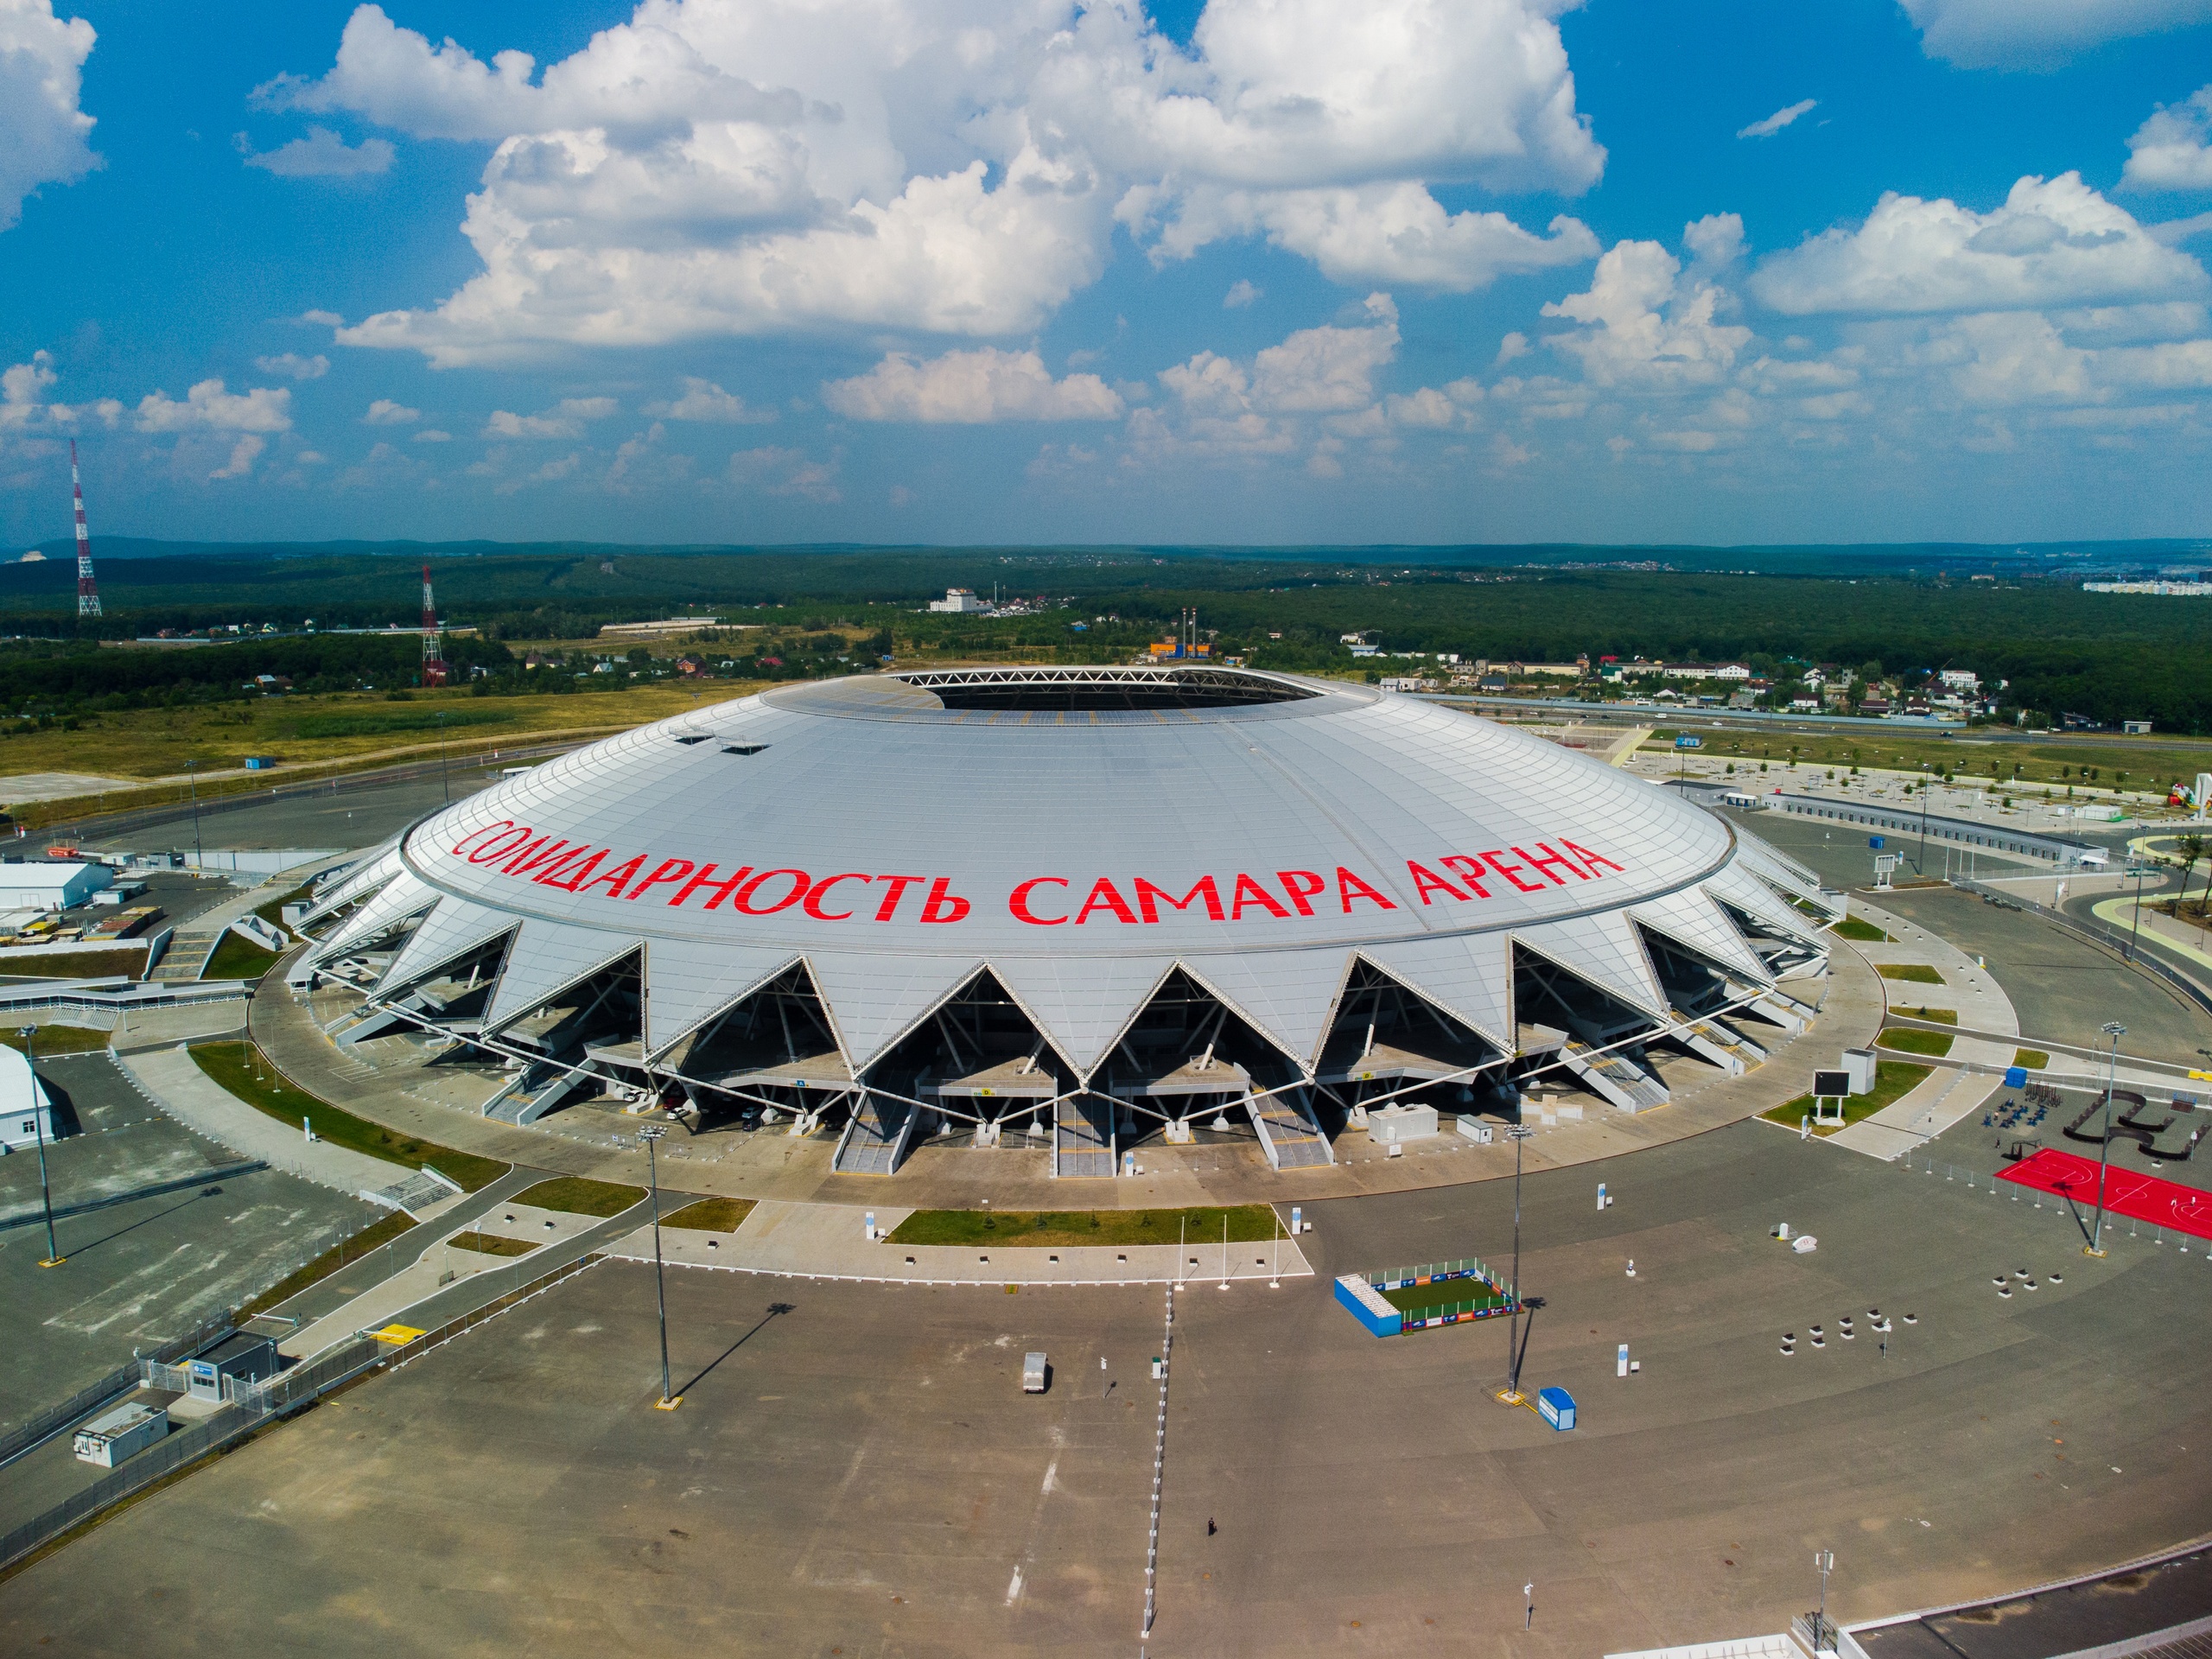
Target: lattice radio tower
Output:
[
  {"x": 436, "y": 669},
  {"x": 88, "y": 592}
]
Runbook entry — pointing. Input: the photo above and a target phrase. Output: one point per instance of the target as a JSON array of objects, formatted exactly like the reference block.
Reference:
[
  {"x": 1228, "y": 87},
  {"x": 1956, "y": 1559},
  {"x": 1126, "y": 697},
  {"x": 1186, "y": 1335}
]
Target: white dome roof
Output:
[{"x": 899, "y": 833}]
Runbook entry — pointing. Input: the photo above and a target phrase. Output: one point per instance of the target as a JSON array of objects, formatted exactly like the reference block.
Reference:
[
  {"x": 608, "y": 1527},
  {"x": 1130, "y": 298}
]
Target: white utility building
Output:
[
  {"x": 50, "y": 887},
  {"x": 25, "y": 1116}
]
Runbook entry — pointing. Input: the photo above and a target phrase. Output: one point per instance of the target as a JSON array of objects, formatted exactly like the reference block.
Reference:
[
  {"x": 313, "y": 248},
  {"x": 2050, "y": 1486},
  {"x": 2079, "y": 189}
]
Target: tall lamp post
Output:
[
  {"x": 192, "y": 782},
  {"x": 2138, "y": 876},
  {"x": 2114, "y": 1029},
  {"x": 1518, "y": 1134},
  {"x": 29, "y": 1034},
  {"x": 650, "y": 1136},
  {"x": 1825, "y": 1560}
]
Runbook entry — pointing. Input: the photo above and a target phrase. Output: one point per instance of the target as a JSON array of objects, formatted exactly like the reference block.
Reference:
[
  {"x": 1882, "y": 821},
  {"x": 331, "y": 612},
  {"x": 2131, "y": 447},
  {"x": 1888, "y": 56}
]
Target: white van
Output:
[{"x": 1032, "y": 1373}]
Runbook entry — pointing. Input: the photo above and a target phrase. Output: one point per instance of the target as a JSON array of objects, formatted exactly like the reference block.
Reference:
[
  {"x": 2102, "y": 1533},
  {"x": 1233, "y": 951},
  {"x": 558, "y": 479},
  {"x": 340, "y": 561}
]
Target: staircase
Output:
[
  {"x": 1287, "y": 1135},
  {"x": 1717, "y": 1044},
  {"x": 1787, "y": 1012},
  {"x": 1615, "y": 1076},
  {"x": 534, "y": 1092},
  {"x": 188, "y": 953},
  {"x": 875, "y": 1137},
  {"x": 1082, "y": 1138}
]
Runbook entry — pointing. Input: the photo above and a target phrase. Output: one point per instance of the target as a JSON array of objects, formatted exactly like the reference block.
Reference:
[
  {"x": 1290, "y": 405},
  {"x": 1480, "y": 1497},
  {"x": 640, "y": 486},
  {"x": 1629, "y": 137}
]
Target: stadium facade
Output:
[{"x": 1074, "y": 908}]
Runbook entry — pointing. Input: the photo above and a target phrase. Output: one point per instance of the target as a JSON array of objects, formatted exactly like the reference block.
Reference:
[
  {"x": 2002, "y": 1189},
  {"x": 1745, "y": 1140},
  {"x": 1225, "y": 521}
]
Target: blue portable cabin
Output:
[{"x": 1556, "y": 1406}]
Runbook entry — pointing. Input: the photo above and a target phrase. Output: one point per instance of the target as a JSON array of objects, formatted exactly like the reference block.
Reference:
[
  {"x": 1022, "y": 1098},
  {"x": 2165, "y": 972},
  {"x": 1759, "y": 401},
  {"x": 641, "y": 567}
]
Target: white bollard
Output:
[{"x": 1620, "y": 1364}]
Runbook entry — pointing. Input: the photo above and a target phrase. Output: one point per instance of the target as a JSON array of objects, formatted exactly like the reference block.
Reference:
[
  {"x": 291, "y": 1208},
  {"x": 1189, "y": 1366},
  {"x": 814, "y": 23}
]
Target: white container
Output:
[
  {"x": 1393, "y": 1124},
  {"x": 1032, "y": 1373},
  {"x": 1477, "y": 1130},
  {"x": 127, "y": 1429}
]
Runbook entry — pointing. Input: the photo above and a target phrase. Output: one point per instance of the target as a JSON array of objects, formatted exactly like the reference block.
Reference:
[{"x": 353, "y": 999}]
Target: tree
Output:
[{"x": 2193, "y": 848}]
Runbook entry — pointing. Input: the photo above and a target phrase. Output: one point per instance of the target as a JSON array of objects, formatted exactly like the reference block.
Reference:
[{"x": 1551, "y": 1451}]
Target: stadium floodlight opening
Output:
[{"x": 1072, "y": 908}]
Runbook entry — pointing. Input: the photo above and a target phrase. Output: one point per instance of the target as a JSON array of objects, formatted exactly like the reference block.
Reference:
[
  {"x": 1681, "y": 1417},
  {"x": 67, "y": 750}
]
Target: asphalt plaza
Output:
[{"x": 862, "y": 1473}]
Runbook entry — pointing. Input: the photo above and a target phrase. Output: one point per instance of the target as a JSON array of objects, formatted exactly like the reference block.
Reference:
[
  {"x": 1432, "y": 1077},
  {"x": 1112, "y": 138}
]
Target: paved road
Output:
[
  {"x": 862, "y": 1471},
  {"x": 138, "y": 1274},
  {"x": 2062, "y": 988}
]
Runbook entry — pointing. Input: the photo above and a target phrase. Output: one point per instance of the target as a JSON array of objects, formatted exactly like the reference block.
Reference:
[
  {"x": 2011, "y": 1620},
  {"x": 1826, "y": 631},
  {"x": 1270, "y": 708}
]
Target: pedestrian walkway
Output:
[
  {"x": 1949, "y": 1093},
  {"x": 829, "y": 1241},
  {"x": 172, "y": 1079}
]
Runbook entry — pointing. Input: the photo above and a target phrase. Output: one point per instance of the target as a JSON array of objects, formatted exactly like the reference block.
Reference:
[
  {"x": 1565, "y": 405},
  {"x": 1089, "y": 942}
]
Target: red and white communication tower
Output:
[
  {"x": 436, "y": 670},
  {"x": 88, "y": 593}
]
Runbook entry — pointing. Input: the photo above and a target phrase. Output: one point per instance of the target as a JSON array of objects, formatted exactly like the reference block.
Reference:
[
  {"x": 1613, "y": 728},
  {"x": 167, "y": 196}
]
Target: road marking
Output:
[
  {"x": 1051, "y": 1469},
  {"x": 1014, "y": 1589}
]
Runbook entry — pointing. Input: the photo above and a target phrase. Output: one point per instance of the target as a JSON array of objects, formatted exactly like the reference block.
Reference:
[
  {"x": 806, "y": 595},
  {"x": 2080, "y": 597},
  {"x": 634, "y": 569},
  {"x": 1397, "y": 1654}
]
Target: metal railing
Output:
[
  {"x": 2096, "y": 933},
  {"x": 51, "y": 1421}
]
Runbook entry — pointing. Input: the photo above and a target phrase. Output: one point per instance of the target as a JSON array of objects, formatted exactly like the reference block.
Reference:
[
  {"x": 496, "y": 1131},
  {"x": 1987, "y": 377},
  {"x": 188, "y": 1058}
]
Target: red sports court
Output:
[{"x": 2142, "y": 1198}]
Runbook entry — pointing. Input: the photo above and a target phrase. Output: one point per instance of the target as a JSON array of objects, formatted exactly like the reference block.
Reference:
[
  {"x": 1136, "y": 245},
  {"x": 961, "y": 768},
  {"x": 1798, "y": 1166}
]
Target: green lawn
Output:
[
  {"x": 1852, "y": 928},
  {"x": 1934, "y": 1044},
  {"x": 493, "y": 1243},
  {"x": 2033, "y": 1059},
  {"x": 244, "y": 1072},
  {"x": 1413, "y": 1299},
  {"x": 1914, "y": 973},
  {"x": 128, "y": 960},
  {"x": 58, "y": 1040},
  {"x": 1938, "y": 1016},
  {"x": 579, "y": 1195},
  {"x": 1065, "y": 1229},
  {"x": 711, "y": 1215},
  {"x": 238, "y": 957},
  {"x": 375, "y": 1234},
  {"x": 1893, "y": 1080},
  {"x": 273, "y": 912}
]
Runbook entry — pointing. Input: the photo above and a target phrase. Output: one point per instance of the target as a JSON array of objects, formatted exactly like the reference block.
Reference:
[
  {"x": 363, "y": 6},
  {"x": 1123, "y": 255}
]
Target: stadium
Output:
[{"x": 1074, "y": 909}]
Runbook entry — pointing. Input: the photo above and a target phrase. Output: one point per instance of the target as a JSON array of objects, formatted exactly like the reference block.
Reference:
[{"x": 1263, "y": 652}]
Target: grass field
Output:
[
  {"x": 58, "y": 1040},
  {"x": 374, "y": 1235},
  {"x": 1971, "y": 755},
  {"x": 1852, "y": 928},
  {"x": 1912, "y": 973},
  {"x": 578, "y": 1195},
  {"x": 1934, "y": 1044},
  {"x": 711, "y": 1215},
  {"x": 1936, "y": 1016},
  {"x": 2033, "y": 1059},
  {"x": 127, "y": 959},
  {"x": 1412, "y": 1299},
  {"x": 313, "y": 736},
  {"x": 1893, "y": 1081},
  {"x": 1068, "y": 1229},
  {"x": 238, "y": 957},
  {"x": 493, "y": 1243},
  {"x": 242, "y": 1069}
]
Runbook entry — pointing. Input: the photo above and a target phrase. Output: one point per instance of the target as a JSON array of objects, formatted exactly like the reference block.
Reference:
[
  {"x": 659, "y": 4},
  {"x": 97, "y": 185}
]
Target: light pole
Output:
[
  {"x": 2114, "y": 1029},
  {"x": 192, "y": 782},
  {"x": 1825, "y": 1560},
  {"x": 2138, "y": 876},
  {"x": 29, "y": 1034},
  {"x": 650, "y": 1136},
  {"x": 1516, "y": 1133}
]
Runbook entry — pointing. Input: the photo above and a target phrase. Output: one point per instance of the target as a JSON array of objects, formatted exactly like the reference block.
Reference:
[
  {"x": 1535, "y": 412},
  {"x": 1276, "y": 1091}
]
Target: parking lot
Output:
[
  {"x": 140, "y": 1273},
  {"x": 862, "y": 1473}
]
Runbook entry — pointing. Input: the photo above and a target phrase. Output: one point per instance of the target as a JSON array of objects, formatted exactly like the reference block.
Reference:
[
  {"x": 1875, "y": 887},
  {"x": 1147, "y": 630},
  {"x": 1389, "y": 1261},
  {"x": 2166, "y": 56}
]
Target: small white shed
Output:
[
  {"x": 1401, "y": 1122},
  {"x": 25, "y": 1116}
]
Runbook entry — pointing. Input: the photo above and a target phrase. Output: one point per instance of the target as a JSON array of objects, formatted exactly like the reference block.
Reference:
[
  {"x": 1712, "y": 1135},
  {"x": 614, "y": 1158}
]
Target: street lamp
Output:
[
  {"x": 2114, "y": 1029},
  {"x": 1825, "y": 1560},
  {"x": 193, "y": 782},
  {"x": 29, "y": 1034},
  {"x": 650, "y": 1136},
  {"x": 1517, "y": 1134},
  {"x": 2138, "y": 876}
]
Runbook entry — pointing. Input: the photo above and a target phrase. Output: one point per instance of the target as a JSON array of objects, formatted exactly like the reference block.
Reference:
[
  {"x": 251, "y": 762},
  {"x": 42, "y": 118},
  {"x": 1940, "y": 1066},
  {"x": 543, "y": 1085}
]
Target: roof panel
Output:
[
  {"x": 1605, "y": 949},
  {"x": 1288, "y": 996},
  {"x": 453, "y": 929},
  {"x": 1691, "y": 919},
  {"x": 545, "y": 959},
  {"x": 1470, "y": 978},
  {"x": 1083, "y": 1004},
  {"x": 687, "y": 984},
  {"x": 874, "y": 998}
]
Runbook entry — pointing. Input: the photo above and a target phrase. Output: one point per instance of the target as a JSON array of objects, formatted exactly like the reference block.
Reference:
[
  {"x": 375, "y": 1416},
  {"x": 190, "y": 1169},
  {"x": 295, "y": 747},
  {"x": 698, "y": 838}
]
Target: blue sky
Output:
[{"x": 1005, "y": 270}]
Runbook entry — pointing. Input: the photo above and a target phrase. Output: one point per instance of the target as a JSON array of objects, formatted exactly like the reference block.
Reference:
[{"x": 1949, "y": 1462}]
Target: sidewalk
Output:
[
  {"x": 828, "y": 1241},
  {"x": 172, "y": 1079},
  {"x": 439, "y": 1265},
  {"x": 1949, "y": 1093}
]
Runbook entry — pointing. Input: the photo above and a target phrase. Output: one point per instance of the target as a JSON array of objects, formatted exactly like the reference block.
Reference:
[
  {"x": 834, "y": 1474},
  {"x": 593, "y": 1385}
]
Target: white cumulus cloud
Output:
[
  {"x": 2039, "y": 34},
  {"x": 43, "y": 132},
  {"x": 322, "y": 155},
  {"x": 750, "y": 167},
  {"x": 1781, "y": 118},
  {"x": 293, "y": 366},
  {"x": 564, "y": 420},
  {"x": 968, "y": 388},
  {"x": 1644, "y": 327},
  {"x": 2172, "y": 151},
  {"x": 2053, "y": 242},
  {"x": 702, "y": 400},
  {"x": 209, "y": 407},
  {"x": 386, "y": 412}
]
